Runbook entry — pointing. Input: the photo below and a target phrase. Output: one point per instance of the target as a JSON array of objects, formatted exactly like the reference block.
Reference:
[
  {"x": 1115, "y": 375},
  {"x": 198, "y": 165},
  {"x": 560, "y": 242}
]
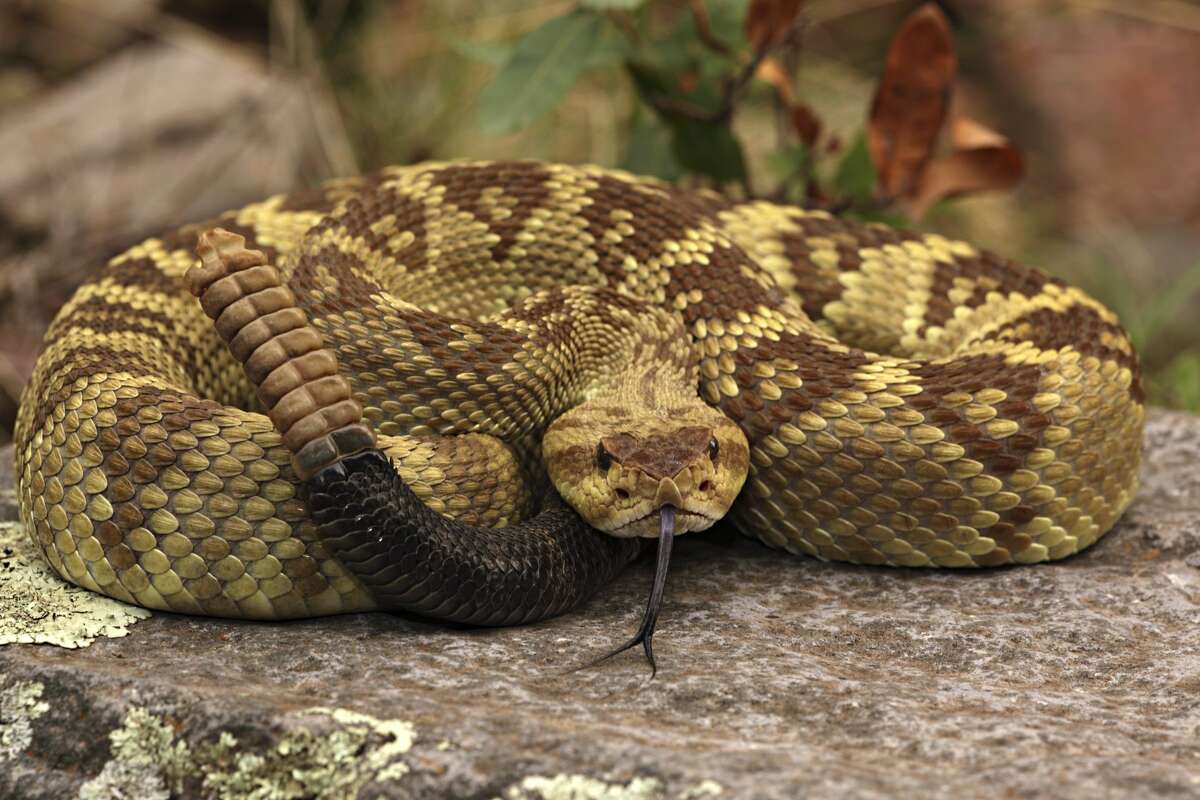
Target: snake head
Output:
[{"x": 619, "y": 468}]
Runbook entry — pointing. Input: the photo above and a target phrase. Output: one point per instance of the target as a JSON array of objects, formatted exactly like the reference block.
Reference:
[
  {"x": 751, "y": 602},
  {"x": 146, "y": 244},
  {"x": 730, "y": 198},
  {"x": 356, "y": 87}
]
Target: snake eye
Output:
[
  {"x": 714, "y": 449},
  {"x": 603, "y": 458}
]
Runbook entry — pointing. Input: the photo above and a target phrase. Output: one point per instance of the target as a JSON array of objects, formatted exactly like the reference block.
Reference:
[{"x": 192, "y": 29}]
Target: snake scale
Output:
[{"x": 475, "y": 332}]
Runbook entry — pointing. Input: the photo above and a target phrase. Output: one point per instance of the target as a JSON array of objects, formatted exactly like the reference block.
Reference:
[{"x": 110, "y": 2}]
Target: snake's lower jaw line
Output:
[
  {"x": 688, "y": 514},
  {"x": 647, "y": 526}
]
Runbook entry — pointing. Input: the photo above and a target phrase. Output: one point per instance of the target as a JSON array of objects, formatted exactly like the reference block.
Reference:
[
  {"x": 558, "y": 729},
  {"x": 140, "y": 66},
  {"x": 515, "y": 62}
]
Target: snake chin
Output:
[{"x": 648, "y": 525}]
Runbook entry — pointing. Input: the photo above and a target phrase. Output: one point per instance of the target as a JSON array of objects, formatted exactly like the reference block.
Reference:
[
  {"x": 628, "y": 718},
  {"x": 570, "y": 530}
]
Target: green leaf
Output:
[
  {"x": 1178, "y": 384},
  {"x": 1164, "y": 308},
  {"x": 787, "y": 161},
  {"x": 1146, "y": 318},
  {"x": 707, "y": 148},
  {"x": 1111, "y": 286},
  {"x": 791, "y": 167},
  {"x": 701, "y": 147},
  {"x": 492, "y": 53},
  {"x": 543, "y": 67},
  {"x": 855, "y": 176},
  {"x": 648, "y": 151},
  {"x": 613, "y": 5},
  {"x": 677, "y": 56},
  {"x": 726, "y": 18}
]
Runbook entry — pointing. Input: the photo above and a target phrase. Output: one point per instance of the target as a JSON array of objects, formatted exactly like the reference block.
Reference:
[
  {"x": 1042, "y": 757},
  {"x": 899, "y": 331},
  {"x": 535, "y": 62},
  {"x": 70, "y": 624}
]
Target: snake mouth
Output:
[{"x": 647, "y": 525}]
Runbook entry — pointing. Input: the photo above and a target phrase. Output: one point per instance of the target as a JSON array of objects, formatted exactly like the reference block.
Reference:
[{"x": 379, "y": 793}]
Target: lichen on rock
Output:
[
  {"x": 324, "y": 752},
  {"x": 581, "y": 787},
  {"x": 20, "y": 704},
  {"x": 121, "y": 779},
  {"x": 147, "y": 761},
  {"x": 705, "y": 788},
  {"x": 38, "y": 607}
]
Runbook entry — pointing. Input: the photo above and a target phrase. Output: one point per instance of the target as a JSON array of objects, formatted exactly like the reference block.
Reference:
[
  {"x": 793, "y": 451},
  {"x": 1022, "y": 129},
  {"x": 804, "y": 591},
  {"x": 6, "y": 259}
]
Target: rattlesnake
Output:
[{"x": 886, "y": 397}]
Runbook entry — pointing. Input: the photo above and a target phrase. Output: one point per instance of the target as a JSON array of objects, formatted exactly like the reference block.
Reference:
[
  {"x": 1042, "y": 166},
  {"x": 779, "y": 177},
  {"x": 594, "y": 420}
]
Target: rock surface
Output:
[{"x": 780, "y": 677}]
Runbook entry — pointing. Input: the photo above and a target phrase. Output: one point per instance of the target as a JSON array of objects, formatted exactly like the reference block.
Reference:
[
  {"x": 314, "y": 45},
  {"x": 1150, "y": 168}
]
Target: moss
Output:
[
  {"x": 20, "y": 704},
  {"x": 36, "y": 606},
  {"x": 327, "y": 753}
]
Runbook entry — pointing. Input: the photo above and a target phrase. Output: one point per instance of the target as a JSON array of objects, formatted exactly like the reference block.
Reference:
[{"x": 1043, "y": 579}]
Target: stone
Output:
[
  {"x": 180, "y": 127},
  {"x": 59, "y": 37},
  {"x": 779, "y": 677}
]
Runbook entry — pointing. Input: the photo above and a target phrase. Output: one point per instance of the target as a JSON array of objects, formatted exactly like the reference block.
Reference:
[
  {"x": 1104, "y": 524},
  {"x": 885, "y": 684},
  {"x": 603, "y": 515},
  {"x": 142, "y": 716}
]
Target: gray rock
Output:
[
  {"x": 780, "y": 677},
  {"x": 180, "y": 128}
]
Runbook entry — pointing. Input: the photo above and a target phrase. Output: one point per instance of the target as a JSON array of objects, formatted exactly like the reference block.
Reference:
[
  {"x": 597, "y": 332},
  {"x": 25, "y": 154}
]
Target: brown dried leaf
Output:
[
  {"x": 806, "y": 124},
  {"x": 986, "y": 162},
  {"x": 767, "y": 21},
  {"x": 771, "y": 71},
  {"x": 804, "y": 120},
  {"x": 967, "y": 134},
  {"x": 911, "y": 100}
]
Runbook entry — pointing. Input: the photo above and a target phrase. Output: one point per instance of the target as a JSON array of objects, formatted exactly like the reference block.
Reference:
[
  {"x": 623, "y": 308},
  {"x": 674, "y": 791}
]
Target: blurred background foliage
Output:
[{"x": 1061, "y": 133}]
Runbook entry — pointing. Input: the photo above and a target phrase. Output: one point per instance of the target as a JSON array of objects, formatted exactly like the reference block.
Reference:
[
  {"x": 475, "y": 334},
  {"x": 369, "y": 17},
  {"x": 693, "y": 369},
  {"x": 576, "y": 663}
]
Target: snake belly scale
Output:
[{"x": 887, "y": 397}]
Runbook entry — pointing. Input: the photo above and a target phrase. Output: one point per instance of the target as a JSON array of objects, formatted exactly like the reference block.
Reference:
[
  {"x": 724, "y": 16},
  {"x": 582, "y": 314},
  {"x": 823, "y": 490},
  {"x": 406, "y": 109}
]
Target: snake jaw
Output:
[{"x": 647, "y": 526}]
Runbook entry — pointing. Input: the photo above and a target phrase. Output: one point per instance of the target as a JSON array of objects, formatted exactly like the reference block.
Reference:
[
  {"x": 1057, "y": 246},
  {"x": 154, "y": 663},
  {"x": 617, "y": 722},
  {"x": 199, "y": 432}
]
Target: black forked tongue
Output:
[{"x": 645, "y": 633}]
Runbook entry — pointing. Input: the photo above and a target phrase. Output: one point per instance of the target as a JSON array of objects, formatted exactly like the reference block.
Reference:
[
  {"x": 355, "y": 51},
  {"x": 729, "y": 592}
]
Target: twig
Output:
[
  {"x": 732, "y": 89},
  {"x": 730, "y": 93},
  {"x": 704, "y": 28},
  {"x": 624, "y": 21},
  {"x": 1170, "y": 13},
  {"x": 822, "y": 11},
  {"x": 300, "y": 47}
]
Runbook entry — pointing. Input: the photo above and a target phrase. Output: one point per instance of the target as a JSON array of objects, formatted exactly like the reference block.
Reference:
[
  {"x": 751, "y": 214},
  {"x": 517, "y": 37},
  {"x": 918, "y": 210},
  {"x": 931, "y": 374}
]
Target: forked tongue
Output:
[{"x": 645, "y": 634}]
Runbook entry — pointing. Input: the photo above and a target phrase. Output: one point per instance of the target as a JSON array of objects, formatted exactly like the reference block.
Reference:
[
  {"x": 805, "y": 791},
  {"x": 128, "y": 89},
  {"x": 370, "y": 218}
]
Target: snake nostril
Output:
[
  {"x": 705, "y": 486},
  {"x": 622, "y": 494}
]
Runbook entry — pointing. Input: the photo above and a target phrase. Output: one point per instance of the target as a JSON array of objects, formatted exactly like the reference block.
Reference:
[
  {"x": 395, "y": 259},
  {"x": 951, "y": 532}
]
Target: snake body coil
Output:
[{"x": 888, "y": 397}]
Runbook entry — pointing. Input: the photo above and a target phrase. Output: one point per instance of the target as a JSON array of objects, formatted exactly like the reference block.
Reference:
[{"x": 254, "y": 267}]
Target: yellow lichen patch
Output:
[
  {"x": 581, "y": 787},
  {"x": 20, "y": 704},
  {"x": 38, "y": 607},
  {"x": 323, "y": 752}
]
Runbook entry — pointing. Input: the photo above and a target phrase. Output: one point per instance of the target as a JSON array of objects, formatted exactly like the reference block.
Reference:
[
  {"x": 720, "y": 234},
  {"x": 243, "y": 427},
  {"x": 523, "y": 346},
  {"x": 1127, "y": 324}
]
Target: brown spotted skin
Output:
[{"x": 902, "y": 398}]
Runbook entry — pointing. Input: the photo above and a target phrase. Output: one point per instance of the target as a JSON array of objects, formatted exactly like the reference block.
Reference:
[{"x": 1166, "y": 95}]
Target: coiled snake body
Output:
[{"x": 886, "y": 397}]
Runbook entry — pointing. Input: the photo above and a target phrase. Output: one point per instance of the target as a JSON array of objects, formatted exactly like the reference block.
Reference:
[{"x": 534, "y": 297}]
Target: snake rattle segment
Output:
[{"x": 471, "y": 391}]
